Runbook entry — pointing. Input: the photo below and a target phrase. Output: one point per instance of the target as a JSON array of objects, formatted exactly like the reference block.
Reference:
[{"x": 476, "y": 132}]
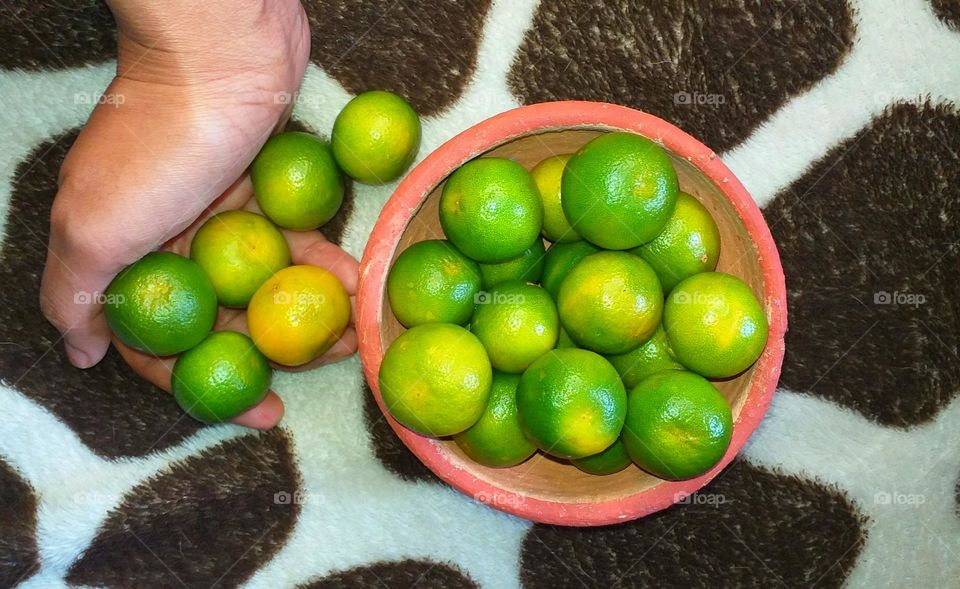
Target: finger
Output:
[
  {"x": 311, "y": 247},
  {"x": 159, "y": 371}
]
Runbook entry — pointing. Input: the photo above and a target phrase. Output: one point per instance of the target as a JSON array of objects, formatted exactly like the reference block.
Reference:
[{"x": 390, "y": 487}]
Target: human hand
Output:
[{"x": 194, "y": 99}]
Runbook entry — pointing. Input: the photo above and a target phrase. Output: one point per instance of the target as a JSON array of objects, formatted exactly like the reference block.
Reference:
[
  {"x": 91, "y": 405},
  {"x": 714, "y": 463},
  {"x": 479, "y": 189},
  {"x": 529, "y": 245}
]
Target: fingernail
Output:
[{"x": 78, "y": 357}]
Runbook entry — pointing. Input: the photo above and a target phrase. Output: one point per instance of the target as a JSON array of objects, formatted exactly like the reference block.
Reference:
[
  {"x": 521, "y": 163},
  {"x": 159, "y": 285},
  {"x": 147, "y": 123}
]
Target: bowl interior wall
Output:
[{"x": 542, "y": 477}]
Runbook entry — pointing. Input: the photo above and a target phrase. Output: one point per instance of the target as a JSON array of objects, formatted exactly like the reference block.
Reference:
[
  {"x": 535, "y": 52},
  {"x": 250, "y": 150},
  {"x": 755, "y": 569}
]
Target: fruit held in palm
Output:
[
  {"x": 298, "y": 314},
  {"x": 239, "y": 250},
  {"x": 162, "y": 304},
  {"x": 221, "y": 377}
]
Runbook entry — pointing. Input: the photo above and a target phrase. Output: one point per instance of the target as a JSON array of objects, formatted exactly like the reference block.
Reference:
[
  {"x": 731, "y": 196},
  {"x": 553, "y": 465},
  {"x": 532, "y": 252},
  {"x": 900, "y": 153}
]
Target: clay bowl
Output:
[{"x": 542, "y": 489}]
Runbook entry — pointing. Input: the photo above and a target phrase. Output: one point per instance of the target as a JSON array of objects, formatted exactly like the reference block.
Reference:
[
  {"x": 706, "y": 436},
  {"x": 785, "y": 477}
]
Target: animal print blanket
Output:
[{"x": 838, "y": 115}]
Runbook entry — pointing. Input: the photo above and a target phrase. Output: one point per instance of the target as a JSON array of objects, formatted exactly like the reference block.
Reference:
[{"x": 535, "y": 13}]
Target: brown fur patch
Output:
[
  {"x": 388, "y": 448},
  {"x": 211, "y": 520},
  {"x": 748, "y": 528},
  {"x": 715, "y": 70},
  {"x": 948, "y": 11},
  {"x": 109, "y": 407},
  {"x": 405, "y": 574},
  {"x": 869, "y": 243},
  {"x": 424, "y": 51},
  {"x": 55, "y": 34},
  {"x": 334, "y": 228},
  {"x": 18, "y": 521}
]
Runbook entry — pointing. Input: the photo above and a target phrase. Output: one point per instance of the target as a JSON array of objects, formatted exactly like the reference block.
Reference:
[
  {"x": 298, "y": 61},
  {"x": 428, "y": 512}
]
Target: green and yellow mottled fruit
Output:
[
  {"x": 163, "y": 304},
  {"x": 517, "y": 323},
  {"x": 688, "y": 245},
  {"x": 490, "y": 209},
  {"x": 435, "y": 379},
  {"x": 619, "y": 190},
  {"x": 678, "y": 425},
  {"x": 571, "y": 403},
  {"x": 715, "y": 325},
  {"x": 221, "y": 377},
  {"x": 610, "y": 302},
  {"x": 296, "y": 181},
  {"x": 432, "y": 282},
  {"x": 496, "y": 440},
  {"x": 547, "y": 175}
]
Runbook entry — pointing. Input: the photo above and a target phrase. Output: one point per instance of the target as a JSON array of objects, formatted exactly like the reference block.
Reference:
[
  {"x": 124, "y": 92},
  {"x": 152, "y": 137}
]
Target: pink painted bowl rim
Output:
[{"x": 489, "y": 134}]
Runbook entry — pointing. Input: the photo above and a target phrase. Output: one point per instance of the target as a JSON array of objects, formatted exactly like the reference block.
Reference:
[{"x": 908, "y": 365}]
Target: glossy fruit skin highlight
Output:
[
  {"x": 678, "y": 425},
  {"x": 715, "y": 325},
  {"x": 239, "y": 251},
  {"x": 496, "y": 439},
  {"x": 221, "y": 377},
  {"x": 610, "y": 302},
  {"x": 527, "y": 267},
  {"x": 435, "y": 379},
  {"x": 433, "y": 282},
  {"x": 571, "y": 403},
  {"x": 490, "y": 209},
  {"x": 163, "y": 304},
  {"x": 296, "y": 181},
  {"x": 298, "y": 314},
  {"x": 689, "y": 244},
  {"x": 619, "y": 190},
  {"x": 517, "y": 323},
  {"x": 376, "y": 137}
]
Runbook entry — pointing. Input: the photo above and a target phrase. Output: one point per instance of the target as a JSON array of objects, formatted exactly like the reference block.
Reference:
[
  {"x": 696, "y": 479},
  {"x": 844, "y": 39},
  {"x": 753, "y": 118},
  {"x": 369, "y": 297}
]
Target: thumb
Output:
[{"x": 71, "y": 294}]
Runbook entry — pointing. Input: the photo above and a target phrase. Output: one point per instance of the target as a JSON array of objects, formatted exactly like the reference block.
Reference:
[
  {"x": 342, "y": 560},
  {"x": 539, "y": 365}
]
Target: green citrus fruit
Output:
[
  {"x": 297, "y": 182},
  {"x": 239, "y": 250},
  {"x": 571, "y": 403},
  {"x": 220, "y": 378},
  {"x": 517, "y": 323},
  {"x": 435, "y": 379},
  {"x": 610, "y": 302},
  {"x": 490, "y": 208},
  {"x": 610, "y": 461},
  {"x": 547, "y": 175},
  {"x": 376, "y": 137},
  {"x": 688, "y": 245},
  {"x": 559, "y": 260},
  {"x": 432, "y": 282},
  {"x": 652, "y": 356},
  {"x": 715, "y": 324},
  {"x": 526, "y": 268},
  {"x": 496, "y": 440},
  {"x": 162, "y": 304},
  {"x": 619, "y": 190},
  {"x": 678, "y": 425}
]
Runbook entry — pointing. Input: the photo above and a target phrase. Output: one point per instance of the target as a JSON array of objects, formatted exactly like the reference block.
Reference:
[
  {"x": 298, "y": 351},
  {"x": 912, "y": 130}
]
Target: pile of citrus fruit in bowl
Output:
[
  {"x": 168, "y": 304},
  {"x": 572, "y": 309}
]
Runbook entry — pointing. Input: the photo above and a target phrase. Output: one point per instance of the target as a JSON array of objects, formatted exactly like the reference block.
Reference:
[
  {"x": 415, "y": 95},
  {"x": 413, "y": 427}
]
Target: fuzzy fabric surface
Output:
[{"x": 840, "y": 118}]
